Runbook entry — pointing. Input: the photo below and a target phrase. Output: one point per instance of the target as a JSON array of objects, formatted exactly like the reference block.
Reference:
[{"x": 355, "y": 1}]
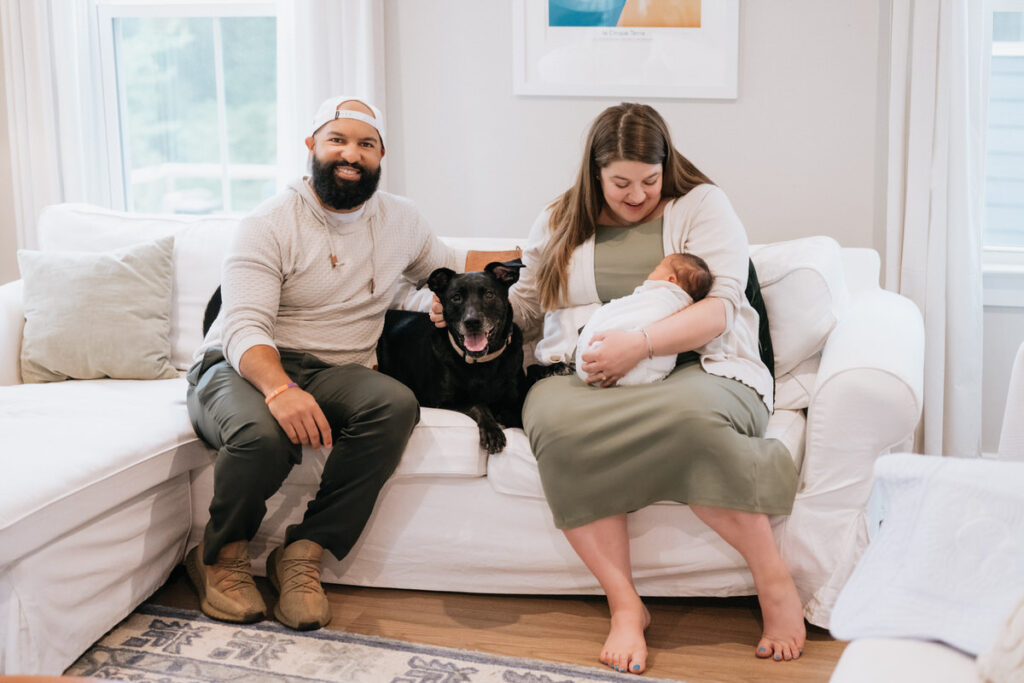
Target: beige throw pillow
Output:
[{"x": 92, "y": 315}]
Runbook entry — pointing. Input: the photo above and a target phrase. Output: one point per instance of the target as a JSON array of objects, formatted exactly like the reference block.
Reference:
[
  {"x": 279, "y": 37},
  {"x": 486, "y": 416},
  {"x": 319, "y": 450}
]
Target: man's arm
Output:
[{"x": 295, "y": 410}]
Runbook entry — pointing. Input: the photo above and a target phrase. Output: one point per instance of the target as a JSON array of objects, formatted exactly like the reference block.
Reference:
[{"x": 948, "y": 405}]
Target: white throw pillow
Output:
[
  {"x": 91, "y": 315},
  {"x": 804, "y": 291}
]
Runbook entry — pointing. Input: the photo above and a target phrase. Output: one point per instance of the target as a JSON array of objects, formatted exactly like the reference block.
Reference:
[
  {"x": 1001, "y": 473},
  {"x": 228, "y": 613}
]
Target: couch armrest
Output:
[
  {"x": 866, "y": 399},
  {"x": 12, "y": 323},
  {"x": 867, "y": 396}
]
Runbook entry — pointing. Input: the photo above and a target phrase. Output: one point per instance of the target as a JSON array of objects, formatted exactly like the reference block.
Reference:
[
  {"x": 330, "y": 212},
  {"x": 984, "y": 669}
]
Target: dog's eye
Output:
[
  {"x": 456, "y": 298},
  {"x": 489, "y": 295}
]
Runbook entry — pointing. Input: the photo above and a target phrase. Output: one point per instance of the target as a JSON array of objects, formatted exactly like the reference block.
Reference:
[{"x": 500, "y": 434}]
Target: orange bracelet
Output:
[{"x": 280, "y": 390}]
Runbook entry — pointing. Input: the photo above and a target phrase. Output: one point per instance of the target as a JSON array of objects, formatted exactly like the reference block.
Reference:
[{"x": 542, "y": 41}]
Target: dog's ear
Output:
[
  {"x": 507, "y": 272},
  {"x": 439, "y": 279}
]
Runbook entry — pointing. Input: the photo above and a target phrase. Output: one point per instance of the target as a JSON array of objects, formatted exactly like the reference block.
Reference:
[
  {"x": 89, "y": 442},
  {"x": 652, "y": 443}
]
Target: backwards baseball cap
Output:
[{"x": 328, "y": 111}]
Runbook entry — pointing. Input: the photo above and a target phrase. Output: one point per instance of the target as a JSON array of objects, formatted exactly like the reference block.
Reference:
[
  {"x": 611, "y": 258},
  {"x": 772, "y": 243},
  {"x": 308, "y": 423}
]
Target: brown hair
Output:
[
  {"x": 693, "y": 274},
  {"x": 625, "y": 132}
]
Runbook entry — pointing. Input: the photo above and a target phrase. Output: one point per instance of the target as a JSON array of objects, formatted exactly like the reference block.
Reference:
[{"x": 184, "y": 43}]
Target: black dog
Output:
[{"x": 475, "y": 364}]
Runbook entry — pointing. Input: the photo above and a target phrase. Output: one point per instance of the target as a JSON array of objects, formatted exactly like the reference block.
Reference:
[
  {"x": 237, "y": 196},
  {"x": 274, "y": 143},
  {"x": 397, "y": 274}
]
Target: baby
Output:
[{"x": 676, "y": 282}]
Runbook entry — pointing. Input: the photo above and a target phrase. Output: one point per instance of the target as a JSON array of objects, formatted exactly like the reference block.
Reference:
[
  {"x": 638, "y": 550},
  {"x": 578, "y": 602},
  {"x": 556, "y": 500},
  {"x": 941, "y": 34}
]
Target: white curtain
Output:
[
  {"x": 325, "y": 48},
  {"x": 937, "y": 106},
  {"x": 58, "y": 150}
]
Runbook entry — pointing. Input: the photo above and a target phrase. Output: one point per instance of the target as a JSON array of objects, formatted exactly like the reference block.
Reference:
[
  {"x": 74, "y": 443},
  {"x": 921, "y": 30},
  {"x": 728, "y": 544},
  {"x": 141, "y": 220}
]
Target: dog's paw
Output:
[{"x": 492, "y": 440}]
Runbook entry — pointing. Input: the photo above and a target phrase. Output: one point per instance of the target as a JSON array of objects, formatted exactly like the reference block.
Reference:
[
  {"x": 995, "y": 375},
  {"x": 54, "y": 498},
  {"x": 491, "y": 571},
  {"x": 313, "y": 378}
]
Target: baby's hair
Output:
[{"x": 693, "y": 274}]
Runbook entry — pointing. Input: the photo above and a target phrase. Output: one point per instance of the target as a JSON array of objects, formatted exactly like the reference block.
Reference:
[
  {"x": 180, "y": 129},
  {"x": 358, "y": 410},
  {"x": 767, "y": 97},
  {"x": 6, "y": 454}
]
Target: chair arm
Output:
[
  {"x": 867, "y": 396},
  {"x": 866, "y": 399},
  {"x": 12, "y": 323}
]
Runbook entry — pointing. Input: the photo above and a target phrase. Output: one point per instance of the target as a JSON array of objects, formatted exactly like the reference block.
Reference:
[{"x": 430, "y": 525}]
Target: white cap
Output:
[{"x": 328, "y": 111}]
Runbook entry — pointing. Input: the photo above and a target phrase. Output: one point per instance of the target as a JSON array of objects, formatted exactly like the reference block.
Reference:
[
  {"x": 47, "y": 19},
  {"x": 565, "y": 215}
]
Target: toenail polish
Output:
[
  {"x": 762, "y": 649},
  {"x": 636, "y": 667}
]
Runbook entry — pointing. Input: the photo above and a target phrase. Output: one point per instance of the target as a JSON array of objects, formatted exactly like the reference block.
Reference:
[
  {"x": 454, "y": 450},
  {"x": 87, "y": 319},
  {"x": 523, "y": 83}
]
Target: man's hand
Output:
[
  {"x": 437, "y": 313},
  {"x": 300, "y": 417},
  {"x": 295, "y": 410}
]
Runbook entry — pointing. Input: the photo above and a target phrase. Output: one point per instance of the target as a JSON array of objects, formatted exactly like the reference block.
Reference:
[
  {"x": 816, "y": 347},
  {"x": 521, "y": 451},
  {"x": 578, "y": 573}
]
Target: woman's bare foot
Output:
[
  {"x": 625, "y": 648},
  {"x": 784, "y": 632}
]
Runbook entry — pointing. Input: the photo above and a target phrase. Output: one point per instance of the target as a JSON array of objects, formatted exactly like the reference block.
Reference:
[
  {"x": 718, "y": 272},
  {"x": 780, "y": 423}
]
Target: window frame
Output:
[
  {"x": 1002, "y": 267},
  {"x": 109, "y": 10}
]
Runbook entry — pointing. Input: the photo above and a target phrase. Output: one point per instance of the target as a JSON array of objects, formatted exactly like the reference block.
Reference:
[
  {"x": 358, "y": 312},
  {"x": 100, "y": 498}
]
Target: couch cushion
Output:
[
  {"x": 793, "y": 389},
  {"x": 514, "y": 471},
  {"x": 804, "y": 292},
  {"x": 445, "y": 443},
  {"x": 92, "y": 315},
  {"x": 74, "y": 449}
]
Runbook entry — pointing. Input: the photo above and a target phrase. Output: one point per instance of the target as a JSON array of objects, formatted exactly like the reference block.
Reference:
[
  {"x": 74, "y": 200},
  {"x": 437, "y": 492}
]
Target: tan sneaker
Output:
[
  {"x": 226, "y": 590},
  {"x": 294, "y": 571}
]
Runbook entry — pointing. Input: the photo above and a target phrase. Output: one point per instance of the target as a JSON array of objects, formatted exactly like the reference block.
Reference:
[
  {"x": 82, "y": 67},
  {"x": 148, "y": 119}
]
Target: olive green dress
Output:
[{"x": 693, "y": 437}]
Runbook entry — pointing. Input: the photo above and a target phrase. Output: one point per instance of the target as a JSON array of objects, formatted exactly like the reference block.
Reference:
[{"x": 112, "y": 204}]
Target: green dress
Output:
[{"x": 693, "y": 437}]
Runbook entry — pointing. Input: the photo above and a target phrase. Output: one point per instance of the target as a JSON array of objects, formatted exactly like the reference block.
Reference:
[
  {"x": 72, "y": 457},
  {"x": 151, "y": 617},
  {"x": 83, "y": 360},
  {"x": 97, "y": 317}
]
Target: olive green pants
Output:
[{"x": 371, "y": 417}]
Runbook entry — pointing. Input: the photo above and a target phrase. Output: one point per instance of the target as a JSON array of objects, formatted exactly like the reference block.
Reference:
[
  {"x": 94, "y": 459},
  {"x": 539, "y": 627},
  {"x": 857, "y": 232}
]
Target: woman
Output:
[{"x": 694, "y": 437}]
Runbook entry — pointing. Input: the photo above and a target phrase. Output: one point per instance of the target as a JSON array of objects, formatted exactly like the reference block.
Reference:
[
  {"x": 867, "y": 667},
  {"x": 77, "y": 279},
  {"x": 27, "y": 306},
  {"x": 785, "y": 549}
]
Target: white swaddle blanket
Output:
[{"x": 650, "y": 302}]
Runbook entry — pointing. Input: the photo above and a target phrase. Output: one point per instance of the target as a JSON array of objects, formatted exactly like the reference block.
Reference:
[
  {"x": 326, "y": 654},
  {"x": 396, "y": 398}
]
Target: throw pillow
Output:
[
  {"x": 91, "y": 315},
  {"x": 804, "y": 290},
  {"x": 477, "y": 260}
]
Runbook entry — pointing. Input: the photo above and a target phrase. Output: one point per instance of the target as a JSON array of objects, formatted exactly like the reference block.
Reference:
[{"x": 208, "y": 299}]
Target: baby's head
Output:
[{"x": 686, "y": 270}]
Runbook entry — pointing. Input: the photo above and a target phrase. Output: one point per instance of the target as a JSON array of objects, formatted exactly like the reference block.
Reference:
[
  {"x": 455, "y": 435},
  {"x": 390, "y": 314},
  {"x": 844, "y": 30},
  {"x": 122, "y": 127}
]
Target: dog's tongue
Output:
[{"x": 475, "y": 342}]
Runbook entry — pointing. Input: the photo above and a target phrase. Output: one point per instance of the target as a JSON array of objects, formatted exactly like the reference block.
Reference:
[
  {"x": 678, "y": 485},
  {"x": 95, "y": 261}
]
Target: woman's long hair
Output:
[{"x": 625, "y": 132}]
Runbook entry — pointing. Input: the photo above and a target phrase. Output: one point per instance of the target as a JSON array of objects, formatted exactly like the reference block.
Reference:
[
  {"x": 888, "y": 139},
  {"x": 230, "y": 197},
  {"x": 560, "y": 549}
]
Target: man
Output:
[{"x": 287, "y": 363}]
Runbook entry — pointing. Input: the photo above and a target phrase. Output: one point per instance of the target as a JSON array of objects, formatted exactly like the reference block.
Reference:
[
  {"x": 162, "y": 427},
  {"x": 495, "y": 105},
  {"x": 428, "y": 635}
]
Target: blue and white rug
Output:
[{"x": 159, "y": 644}]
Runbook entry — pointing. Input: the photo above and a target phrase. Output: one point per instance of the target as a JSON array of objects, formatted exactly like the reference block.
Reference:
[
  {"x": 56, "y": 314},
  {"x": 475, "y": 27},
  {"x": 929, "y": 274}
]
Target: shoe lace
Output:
[
  {"x": 237, "y": 574},
  {"x": 301, "y": 575}
]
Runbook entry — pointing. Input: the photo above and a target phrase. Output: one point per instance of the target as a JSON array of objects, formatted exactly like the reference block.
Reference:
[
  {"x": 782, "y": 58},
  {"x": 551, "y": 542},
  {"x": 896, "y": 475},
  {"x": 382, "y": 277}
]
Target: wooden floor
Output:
[{"x": 698, "y": 640}]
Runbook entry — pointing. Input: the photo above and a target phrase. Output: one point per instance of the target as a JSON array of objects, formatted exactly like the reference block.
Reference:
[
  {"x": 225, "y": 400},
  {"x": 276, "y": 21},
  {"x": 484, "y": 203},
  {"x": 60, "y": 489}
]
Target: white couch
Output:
[{"x": 105, "y": 484}]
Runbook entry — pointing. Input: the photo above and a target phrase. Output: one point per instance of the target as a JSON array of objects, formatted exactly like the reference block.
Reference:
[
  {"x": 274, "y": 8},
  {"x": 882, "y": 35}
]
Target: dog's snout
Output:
[{"x": 473, "y": 323}]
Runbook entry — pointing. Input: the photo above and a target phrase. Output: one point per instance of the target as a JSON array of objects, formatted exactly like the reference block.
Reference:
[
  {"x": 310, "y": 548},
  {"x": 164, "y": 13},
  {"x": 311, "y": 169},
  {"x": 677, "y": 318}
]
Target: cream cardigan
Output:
[{"x": 702, "y": 222}]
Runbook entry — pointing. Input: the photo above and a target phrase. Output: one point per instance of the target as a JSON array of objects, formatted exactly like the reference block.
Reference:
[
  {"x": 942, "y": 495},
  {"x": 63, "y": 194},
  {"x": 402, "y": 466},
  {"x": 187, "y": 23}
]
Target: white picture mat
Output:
[{"x": 627, "y": 62}]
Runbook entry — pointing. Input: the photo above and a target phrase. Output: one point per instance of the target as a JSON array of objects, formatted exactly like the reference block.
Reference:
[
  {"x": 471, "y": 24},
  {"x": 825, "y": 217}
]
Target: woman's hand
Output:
[
  {"x": 612, "y": 354},
  {"x": 437, "y": 313}
]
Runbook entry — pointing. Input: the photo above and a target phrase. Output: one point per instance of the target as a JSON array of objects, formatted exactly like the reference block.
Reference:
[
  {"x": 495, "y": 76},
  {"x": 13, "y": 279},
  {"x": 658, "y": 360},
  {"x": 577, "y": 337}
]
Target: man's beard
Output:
[{"x": 338, "y": 193}]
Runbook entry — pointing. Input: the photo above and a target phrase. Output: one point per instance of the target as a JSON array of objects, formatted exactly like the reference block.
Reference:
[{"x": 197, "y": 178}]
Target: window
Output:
[
  {"x": 193, "y": 92},
  {"x": 1003, "y": 234}
]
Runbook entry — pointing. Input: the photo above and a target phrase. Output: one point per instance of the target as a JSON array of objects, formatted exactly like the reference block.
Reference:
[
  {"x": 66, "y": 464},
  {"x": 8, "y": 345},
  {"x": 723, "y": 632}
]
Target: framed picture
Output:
[{"x": 626, "y": 48}]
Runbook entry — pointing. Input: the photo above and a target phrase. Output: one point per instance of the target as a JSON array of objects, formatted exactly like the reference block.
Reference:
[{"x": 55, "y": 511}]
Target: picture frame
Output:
[{"x": 626, "y": 48}]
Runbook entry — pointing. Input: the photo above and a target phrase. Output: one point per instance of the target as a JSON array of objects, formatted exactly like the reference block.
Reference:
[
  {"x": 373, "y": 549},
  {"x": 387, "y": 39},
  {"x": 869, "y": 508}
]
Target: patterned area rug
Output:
[{"x": 159, "y": 644}]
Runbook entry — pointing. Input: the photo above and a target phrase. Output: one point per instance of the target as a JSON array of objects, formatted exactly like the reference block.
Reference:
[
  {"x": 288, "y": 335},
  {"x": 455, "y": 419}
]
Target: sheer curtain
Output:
[
  {"x": 937, "y": 100},
  {"x": 325, "y": 48},
  {"x": 58, "y": 149}
]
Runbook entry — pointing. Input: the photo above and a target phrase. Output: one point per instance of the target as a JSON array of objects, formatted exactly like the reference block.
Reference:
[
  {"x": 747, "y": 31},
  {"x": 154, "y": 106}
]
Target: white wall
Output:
[{"x": 798, "y": 152}]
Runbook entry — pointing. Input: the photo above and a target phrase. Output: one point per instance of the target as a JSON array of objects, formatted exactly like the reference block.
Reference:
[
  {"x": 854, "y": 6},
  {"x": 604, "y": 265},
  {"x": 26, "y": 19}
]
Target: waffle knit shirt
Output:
[{"x": 279, "y": 289}]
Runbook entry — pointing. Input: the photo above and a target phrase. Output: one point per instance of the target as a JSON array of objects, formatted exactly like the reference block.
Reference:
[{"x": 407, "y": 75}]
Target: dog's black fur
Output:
[{"x": 439, "y": 368}]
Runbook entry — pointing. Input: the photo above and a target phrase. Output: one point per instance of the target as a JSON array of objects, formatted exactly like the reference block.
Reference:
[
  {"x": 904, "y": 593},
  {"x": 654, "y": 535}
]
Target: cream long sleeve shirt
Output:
[
  {"x": 280, "y": 289},
  {"x": 702, "y": 222}
]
